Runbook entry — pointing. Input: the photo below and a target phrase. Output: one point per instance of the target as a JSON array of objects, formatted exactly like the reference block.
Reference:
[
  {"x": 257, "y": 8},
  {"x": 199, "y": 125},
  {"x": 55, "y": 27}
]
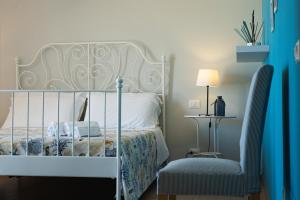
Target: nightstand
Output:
[{"x": 216, "y": 120}]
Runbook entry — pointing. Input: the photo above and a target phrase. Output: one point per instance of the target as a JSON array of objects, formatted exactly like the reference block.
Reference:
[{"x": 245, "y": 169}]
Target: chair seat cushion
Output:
[{"x": 201, "y": 176}]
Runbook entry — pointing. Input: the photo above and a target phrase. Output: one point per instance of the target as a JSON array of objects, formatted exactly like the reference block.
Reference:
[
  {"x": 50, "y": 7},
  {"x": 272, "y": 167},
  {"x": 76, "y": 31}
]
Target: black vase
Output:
[{"x": 219, "y": 107}]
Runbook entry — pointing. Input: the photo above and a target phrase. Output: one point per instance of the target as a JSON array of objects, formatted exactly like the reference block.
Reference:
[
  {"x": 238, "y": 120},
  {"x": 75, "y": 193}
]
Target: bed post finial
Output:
[
  {"x": 17, "y": 60},
  {"x": 119, "y": 82}
]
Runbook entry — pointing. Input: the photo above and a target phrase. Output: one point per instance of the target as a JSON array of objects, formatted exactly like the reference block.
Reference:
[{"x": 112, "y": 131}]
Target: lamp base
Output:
[{"x": 194, "y": 150}]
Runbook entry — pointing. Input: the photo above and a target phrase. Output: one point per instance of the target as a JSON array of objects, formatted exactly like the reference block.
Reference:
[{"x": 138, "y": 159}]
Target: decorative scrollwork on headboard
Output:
[{"x": 93, "y": 65}]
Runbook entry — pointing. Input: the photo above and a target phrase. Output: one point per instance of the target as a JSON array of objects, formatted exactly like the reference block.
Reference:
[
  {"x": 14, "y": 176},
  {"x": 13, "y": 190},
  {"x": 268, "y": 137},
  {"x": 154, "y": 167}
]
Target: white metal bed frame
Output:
[{"x": 91, "y": 59}]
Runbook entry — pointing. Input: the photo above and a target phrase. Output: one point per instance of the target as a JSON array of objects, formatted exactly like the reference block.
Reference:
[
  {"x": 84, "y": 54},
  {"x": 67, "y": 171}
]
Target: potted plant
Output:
[{"x": 250, "y": 35}]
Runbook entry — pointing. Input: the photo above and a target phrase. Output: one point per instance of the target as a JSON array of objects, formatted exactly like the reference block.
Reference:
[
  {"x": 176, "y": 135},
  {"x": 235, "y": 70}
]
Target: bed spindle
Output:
[
  {"x": 73, "y": 124},
  {"x": 89, "y": 126},
  {"x": 12, "y": 123},
  {"x": 58, "y": 125},
  {"x": 43, "y": 123},
  {"x": 105, "y": 123},
  {"x": 27, "y": 132}
]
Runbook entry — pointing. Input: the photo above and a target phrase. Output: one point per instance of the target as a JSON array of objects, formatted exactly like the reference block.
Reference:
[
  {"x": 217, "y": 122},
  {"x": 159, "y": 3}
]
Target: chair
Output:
[{"x": 213, "y": 176}]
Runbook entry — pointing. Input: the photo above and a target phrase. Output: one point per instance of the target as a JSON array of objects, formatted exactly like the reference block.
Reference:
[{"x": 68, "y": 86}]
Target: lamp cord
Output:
[{"x": 209, "y": 126}]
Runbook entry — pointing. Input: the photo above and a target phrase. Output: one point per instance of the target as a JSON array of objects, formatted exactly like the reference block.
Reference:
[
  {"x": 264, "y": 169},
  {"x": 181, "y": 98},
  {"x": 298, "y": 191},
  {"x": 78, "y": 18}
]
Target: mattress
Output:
[{"x": 97, "y": 147}]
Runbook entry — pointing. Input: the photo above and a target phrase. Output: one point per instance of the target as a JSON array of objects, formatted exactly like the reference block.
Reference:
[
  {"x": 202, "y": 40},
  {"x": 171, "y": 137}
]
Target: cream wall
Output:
[{"x": 192, "y": 33}]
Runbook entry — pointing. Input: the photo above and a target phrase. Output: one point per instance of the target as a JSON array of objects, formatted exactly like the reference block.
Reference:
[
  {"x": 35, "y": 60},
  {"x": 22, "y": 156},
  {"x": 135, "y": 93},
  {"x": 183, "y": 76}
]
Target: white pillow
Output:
[
  {"x": 139, "y": 110},
  {"x": 36, "y": 107}
]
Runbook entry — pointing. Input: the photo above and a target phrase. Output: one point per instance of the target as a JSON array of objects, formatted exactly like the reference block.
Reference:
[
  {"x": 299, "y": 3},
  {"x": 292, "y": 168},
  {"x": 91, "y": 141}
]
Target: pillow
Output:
[
  {"x": 36, "y": 107},
  {"x": 139, "y": 110}
]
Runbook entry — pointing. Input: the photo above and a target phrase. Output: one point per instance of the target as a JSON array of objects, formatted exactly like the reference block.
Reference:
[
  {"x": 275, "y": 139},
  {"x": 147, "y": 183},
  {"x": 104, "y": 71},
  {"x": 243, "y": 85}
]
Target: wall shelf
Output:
[{"x": 256, "y": 53}]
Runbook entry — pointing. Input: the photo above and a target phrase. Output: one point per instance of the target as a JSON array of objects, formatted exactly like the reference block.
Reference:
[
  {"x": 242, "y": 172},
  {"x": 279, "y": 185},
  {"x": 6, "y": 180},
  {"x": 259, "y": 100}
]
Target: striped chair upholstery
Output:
[
  {"x": 253, "y": 127},
  {"x": 212, "y": 176}
]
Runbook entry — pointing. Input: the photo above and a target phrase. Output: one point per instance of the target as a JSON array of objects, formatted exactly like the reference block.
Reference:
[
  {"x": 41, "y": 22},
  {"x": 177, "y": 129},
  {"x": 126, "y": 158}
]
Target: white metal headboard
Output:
[{"x": 95, "y": 65}]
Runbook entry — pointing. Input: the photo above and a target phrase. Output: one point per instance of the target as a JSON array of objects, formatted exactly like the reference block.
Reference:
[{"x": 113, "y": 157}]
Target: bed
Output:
[{"x": 88, "y": 109}]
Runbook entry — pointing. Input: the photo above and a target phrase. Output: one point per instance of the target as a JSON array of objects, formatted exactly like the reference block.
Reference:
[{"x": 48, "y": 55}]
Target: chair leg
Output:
[
  {"x": 166, "y": 197},
  {"x": 254, "y": 196}
]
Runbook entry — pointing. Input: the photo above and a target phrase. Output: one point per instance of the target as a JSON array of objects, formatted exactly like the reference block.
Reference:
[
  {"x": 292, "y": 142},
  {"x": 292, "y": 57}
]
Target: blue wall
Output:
[{"x": 281, "y": 145}]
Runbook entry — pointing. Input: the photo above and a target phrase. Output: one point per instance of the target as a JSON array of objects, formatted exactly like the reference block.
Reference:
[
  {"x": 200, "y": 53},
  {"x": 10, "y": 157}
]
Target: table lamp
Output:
[{"x": 207, "y": 78}]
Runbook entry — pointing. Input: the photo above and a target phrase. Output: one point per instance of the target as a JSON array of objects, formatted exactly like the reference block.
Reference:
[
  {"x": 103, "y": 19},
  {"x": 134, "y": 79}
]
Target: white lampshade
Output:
[{"x": 208, "y": 77}]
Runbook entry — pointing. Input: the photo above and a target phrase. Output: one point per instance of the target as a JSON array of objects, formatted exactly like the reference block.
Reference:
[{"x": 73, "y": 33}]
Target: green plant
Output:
[{"x": 253, "y": 34}]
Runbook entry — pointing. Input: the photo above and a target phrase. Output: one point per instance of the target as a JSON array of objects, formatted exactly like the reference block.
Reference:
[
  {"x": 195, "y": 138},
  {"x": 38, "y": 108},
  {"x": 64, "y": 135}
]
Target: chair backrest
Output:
[{"x": 253, "y": 127}]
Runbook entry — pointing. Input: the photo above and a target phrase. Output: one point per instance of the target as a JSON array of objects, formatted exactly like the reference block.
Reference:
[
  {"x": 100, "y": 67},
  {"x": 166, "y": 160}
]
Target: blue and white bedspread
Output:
[
  {"x": 139, "y": 164},
  {"x": 143, "y": 151}
]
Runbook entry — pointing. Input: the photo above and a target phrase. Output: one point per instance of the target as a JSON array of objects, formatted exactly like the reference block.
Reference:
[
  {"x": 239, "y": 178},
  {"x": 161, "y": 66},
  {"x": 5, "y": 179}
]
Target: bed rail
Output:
[
  {"x": 9, "y": 162},
  {"x": 58, "y": 92}
]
